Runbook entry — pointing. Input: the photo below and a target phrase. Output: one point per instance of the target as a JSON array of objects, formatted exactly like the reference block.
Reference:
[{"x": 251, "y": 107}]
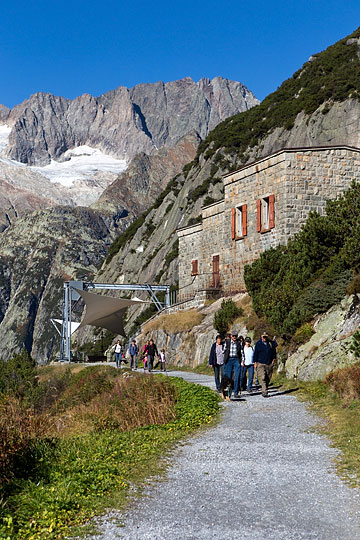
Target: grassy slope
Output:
[{"x": 62, "y": 481}]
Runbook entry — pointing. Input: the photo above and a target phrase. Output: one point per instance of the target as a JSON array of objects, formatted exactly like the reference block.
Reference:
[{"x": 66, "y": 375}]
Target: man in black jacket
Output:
[
  {"x": 233, "y": 356},
  {"x": 264, "y": 358},
  {"x": 151, "y": 351}
]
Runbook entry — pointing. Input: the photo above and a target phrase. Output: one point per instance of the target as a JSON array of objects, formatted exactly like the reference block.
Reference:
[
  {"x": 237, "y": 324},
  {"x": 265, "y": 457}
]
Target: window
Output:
[
  {"x": 239, "y": 222},
  {"x": 194, "y": 267},
  {"x": 266, "y": 213}
]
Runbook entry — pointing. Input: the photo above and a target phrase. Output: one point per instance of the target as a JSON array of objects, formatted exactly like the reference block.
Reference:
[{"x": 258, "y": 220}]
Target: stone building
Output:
[{"x": 264, "y": 204}]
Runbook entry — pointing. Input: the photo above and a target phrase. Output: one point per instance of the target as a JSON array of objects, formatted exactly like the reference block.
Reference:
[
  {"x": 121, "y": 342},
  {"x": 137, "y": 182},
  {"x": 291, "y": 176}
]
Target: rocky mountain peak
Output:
[{"x": 121, "y": 122}]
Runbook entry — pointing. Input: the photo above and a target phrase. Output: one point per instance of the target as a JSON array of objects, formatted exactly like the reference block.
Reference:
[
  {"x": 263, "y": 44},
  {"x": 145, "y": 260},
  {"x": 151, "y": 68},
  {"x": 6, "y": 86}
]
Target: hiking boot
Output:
[{"x": 236, "y": 396}]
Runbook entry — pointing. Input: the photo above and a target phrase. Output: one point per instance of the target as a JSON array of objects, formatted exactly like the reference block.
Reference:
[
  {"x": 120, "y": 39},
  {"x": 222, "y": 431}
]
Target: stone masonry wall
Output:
[{"x": 301, "y": 180}]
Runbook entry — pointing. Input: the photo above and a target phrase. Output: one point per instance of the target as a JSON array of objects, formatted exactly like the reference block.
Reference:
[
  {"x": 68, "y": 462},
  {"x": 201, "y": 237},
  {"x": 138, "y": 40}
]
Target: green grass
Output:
[
  {"x": 341, "y": 422},
  {"x": 69, "y": 480},
  {"x": 203, "y": 369}
]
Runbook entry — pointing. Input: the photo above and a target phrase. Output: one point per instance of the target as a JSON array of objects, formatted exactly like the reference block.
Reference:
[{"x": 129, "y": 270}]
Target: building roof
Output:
[{"x": 294, "y": 149}]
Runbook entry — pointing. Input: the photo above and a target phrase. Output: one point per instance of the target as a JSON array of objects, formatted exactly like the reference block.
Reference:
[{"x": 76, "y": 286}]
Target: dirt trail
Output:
[{"x": 260, "y": 474}]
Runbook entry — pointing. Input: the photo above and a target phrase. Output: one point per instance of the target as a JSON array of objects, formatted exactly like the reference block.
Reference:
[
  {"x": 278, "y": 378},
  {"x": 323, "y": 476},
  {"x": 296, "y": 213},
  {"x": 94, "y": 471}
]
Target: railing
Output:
[{"x": 209, "y": 281}]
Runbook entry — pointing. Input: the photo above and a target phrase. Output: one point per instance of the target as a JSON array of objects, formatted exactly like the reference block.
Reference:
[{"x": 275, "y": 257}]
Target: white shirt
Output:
[
  {"x": 117, "y": 348},
  {"x": 249, "y": 354}
]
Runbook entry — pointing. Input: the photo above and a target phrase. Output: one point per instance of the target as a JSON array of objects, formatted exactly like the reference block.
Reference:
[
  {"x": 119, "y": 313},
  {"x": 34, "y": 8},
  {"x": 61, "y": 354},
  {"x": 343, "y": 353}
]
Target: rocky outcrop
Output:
[
  {"x": 37, "y": 254},
  {"x": 329, "y": 348},
  {"x": 122, "y": 122},
  {"x": 147, "y": 176},
  {"x": 4, "y": 113},
  {"x": 190, "y": 347},
  {"x": 339, "y": 125}
]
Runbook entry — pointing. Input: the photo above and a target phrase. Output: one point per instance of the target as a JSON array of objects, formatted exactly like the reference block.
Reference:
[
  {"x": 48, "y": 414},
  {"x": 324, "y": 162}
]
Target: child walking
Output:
[{"x": 162, "y": 360}]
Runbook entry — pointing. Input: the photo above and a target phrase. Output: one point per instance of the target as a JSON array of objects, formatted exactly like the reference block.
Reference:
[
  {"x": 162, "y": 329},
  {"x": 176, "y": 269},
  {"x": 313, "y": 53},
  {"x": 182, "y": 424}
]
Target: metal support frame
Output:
[{"x": 70, "y": 295}]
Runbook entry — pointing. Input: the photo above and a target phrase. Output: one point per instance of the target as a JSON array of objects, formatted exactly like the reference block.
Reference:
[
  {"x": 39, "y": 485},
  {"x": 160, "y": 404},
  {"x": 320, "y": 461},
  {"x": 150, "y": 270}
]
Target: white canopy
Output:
[
  {"x": 74, "y": 325},
  {"x": 106, "y": 311}
]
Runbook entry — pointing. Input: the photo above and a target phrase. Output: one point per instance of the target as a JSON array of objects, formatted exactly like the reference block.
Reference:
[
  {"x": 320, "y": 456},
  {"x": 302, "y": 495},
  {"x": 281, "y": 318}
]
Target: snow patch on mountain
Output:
[
  {"x": 4, "y": 136},
  {"x": 80, "y": 164}
]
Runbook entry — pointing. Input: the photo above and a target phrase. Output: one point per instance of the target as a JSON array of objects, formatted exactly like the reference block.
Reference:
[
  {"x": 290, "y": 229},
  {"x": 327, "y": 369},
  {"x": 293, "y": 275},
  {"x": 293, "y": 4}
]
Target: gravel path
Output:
[{"x": 260, "y": 474}]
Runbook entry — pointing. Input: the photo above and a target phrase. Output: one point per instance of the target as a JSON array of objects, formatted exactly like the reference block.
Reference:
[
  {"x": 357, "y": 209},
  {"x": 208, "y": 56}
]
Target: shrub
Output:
[
  {"x": 354, "y": 286},
  {"x": 228, "y": 312},
  {"x": 345, "y": 382},
  {"x": 18, "y": 375},
  {"x": 355, "y": 344},
  {"x": 303, "y": 334}
]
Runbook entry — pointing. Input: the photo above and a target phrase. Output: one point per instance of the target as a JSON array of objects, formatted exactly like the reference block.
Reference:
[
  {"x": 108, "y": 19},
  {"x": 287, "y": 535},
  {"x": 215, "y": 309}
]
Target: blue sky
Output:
[{"x": 69, "y": 48}]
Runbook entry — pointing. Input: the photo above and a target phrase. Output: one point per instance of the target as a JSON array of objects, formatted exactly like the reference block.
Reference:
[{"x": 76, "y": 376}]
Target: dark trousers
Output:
[
  {"x": 150, "y": 362},
  {"x": 233, "y": 365},
  {"x": 218, "y": 371},
  {"x": 249, "y": 371}
]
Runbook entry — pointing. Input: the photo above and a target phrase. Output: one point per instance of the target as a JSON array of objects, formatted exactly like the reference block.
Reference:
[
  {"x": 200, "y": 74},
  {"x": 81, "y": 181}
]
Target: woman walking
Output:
[{"x": 216, "y": 360}]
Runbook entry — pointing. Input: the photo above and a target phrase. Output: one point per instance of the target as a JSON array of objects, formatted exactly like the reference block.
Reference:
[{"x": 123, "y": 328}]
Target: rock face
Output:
[
  {"x": 37, "y": 254},
  {"x": 329, "y": 348},
  {"x": 4, "y": 114},
  {"x": 122, "y": 122},
  {"x": 147, "y": 176},
  {"x": 191, "y": 347}
]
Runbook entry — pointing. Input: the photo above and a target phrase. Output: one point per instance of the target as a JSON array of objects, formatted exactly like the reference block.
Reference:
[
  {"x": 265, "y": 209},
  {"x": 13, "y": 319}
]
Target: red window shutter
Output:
[
  {"x": 194, "y": 267},
  {"x": 258, "y": 207},
  {"x": 233, "y": 223},
  {"x": 244, "y": 219},
  {"x": 271, "y": 211}
]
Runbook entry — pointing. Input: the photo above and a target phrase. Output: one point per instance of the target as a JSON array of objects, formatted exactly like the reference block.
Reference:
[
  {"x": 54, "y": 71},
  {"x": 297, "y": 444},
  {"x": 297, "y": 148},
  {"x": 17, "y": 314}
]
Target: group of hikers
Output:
[
  {"x": 149, "y": 351},
  {"x": 235, "y": 360}
]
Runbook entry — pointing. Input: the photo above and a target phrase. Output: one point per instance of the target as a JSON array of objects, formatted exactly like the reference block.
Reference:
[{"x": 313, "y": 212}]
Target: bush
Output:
[
  {"x": 355, "y": 344},
  {"x": 18, "y": 375},
  {"x": 303, "y": 334},
  {"x": 354, "y": 286},
  {"x": 345, "y": 382},
  {"x": 72, "y": 478},
  {"x": 228, "y": 312}
]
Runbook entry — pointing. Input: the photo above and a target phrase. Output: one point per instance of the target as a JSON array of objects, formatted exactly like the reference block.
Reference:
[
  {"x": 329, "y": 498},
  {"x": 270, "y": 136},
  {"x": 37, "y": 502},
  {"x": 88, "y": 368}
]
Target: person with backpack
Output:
[
  {"x": 247, "y": 366},
  {"x": 264, "y": 359},
  {"x": 133, "y": 352}
]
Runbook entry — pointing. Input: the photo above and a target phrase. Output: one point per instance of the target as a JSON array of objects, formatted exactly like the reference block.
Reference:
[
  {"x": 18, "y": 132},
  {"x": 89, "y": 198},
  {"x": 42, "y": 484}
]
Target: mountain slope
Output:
[
  {"x": 147, "y": 251},
  {"x": 37, "y": 254}
]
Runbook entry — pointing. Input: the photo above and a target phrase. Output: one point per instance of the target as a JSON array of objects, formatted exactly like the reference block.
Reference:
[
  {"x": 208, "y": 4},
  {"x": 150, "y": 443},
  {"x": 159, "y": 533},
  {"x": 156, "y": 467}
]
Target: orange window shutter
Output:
[
  {"x": 258, "y": 207},
  {"x": 244, "y": 219},
  {"x": 271, "y": 211},
  {"x": 233, "y": 223}
]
